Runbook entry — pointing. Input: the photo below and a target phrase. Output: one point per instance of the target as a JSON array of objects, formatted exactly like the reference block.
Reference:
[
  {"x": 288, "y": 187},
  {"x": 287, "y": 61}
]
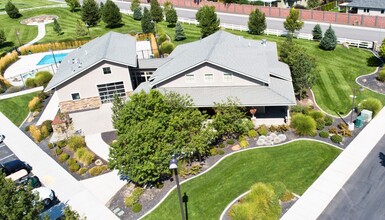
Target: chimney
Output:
[{"x": 263, "y": 42}]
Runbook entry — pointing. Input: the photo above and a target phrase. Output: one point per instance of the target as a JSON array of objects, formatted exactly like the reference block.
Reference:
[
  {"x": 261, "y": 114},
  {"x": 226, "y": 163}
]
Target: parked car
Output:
[
  {"x": 32, "y": 181},
  {"x": 55, "y": 212},
  {"x": 46, "y": 195},
  {"x": 2, "y": 137},
  {"x": 14, "y": 166}
]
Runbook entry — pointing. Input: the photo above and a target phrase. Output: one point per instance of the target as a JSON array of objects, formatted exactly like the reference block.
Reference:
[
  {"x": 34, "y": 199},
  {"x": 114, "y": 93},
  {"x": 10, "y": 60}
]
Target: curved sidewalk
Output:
[{"x": 325, "y": 188}]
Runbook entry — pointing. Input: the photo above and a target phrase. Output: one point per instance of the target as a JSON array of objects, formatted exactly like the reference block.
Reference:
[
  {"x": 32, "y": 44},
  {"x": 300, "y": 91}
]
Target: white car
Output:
[{"x": 46, "y": 195}]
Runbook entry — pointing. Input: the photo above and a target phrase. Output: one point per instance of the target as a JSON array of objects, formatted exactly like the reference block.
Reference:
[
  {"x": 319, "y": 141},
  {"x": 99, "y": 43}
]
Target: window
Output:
[
  {"x": 106, "y": 70},
  {"x": 382, "y": 11},
  {"x": 366, "y": 9},
  {"x": 209, "y": 77},
  {"x": 145, "y": 76},
  {"x": 107, "y": 91},
  {"x": 227, "y": 77},
  {"x": 75, "y": 96},
  {"x": 190, "y": 77}
]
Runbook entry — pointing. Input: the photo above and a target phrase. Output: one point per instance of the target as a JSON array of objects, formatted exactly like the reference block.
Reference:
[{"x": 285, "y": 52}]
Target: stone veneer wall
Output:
[{"x": 80, "y": 105}]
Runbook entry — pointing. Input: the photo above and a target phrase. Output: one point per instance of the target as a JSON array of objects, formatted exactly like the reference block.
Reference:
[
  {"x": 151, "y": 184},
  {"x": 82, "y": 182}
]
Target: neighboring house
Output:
[
  {"x": 367, "y": 7},
  {"x": 224, "y": 65}
]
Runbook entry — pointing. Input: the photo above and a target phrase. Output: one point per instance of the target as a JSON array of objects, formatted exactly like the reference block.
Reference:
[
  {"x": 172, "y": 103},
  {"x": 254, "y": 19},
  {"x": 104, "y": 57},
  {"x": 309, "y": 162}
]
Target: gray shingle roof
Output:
[
  {"x": 152, "y": 63},
  {"x": 235, "y": 53},
  {"x": 113, "y": 47},
  {"x": 380, "y": 4}
]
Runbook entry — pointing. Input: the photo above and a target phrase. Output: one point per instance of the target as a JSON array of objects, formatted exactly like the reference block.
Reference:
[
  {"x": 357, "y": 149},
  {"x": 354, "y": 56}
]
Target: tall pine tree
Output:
[
  {"x": 138, "y": 14},
  {"x": 179, "y": 32},
  {"x": 11, "y": 10},
  {"x": 329, "y": 41},
  {"x": 90, "y": 12},
  {"x": 208, "y": 21},
  {"x": 171, "y": 17},
  {"x": 147, "y": 24},
  {"x": 156, "y": 11},
  {"x": 293, "y": 22},
  {"x": 134, "y": 4},
  {"x": 111, "y": 15}
]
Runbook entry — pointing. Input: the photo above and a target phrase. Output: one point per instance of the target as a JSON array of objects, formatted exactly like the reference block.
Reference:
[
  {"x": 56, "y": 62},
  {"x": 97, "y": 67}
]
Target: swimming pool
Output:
[{"x": 48, "y": 59}]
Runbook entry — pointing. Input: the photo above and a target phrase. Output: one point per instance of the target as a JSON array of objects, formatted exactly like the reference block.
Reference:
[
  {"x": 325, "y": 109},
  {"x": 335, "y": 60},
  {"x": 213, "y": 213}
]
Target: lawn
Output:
[
  {"x": 23, "y": 4},
  {"x": 297, "y": 165},
  {"x": 16, "y": 109}
]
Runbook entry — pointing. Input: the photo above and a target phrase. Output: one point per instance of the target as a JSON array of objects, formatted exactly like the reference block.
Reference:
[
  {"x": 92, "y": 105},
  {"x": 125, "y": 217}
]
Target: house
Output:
[
  {"x": 367, "y": 7},
  {"x": 208, "y": 70}
]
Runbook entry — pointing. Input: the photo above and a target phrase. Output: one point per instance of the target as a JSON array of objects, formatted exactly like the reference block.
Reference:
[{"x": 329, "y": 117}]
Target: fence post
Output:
[
  {"x": 348, "y": 18},
  {"x": 336, "y": 17},
  {"x": 243, "y": 9},
  {"x": 311, "y": 14},
  {"x": 375, "y": 22},
  {"x": 323, "y": 16},
  {"x": 279, "y": 12},
  {"x": 362, "y": 20}
]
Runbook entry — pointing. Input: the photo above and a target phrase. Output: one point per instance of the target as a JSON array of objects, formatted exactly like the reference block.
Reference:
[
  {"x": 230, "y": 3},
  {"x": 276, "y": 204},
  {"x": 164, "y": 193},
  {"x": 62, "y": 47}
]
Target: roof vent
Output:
[
  {"x": 86, "y": 52},
  {"x": 263, "y": 42},
  {"x": 249, "y": 44}
]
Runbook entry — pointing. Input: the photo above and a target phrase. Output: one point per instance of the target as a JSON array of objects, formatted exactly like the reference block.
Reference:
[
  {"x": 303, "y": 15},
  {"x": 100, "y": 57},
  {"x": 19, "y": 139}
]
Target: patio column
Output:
[{"x": 288, "y": 115}]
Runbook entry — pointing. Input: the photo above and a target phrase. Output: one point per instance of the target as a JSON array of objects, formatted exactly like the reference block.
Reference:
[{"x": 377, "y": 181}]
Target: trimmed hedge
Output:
[
  {"x": 137, "y": 207},
  {"x": 74, "y": 167},
  {"x": 96, "y": 170},
  {"x": 336, "y": 138},
  {"x": 324, "y": 134},
  {"x": 82, "y": 171},
  {"x": 63, "y": 157},
  {"x": 381, "y": 75}
]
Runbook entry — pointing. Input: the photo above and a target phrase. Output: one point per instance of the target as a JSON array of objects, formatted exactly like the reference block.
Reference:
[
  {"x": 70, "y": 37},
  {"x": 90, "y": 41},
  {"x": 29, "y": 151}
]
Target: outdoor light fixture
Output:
[{"x": 174, "y": 167}]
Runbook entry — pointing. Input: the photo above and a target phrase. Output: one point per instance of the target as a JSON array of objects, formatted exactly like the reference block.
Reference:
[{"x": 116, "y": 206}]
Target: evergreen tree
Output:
[
  {"x": 329, "y": 41},
  {"x": 81, "y": 29},
  {"x": 167, "y": 6},
  {"x": 147, "y": 24},
  {"x": 111, "y": 14},
  {"x": 257, "y": 22},
  {"x": 208, "y": 21},
  {"x": 134, "y": 4},
  {"x": 138, "y": 14},
  {"x": 293, "y": 22},
  {"x": 101, "y": 6},
  {"x": 3, "y": 38},
  {"x": 381, "y": 50},
  {"x": 56, "y": 27},
  {"x": 171, "y": 17},
  {"x": 179, "y": 32},
  {"x": 317, "y": 32},
  {"x": 73, "y": 4},
  {"x": 90, "y": 12},
  {"x": 156, "y": 11},
  {"x": 11, "y": 10}
]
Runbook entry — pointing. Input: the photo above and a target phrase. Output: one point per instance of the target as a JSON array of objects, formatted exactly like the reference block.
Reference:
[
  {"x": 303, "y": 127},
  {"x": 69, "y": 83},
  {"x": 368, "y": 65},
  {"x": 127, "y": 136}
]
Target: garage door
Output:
[{"x": 107, "y": 91}]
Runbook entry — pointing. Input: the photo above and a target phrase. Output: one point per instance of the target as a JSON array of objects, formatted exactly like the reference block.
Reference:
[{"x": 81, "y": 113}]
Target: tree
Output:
[
  {"x": 73, "y": 4},
  {"x": 156, "y": 11},
  {"x": 167, "y": 6},
  {"x": 179, "y": 32},
  {"x": 90, "y": 12},
  {"x": 171, "y": 17},
  {"x": 11, "y": 10},
  {"x": 134, "y": 4},
  {"x": 3, "y": 37},
  {"x": 56, "y": 27},
  {"x": 70, "y": 214},
  {"x": 18, "y": 203},
  {"x": 329, "y": 41},
  {"x": 381, "y": 50},
  {"x": 117, "y": 106},
  {"x": 313, "y": 3},
  {"x": 81, "y": 29},
  {"x": 208, "y": 21},
  {"x": 111, "y": 14},
  {"x": 101, "y": 7},
  {"x": 137, "y": 14},
  {"x": 317, "y": 32},
  {"x": 293, "y": 22},
  {"x": 150, "y": 128},
  {"x": 257, "y": 22},
  {"x": 147, "y": 25}
]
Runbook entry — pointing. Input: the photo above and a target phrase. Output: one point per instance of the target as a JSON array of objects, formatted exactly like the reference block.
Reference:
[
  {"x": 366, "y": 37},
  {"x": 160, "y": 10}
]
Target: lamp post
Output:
[
  {"x": 53, "y": 55},
  {"x": 351, "y": 125},
  {"x": 174, "y": 167},
  {"x": 18, "y": 38}
]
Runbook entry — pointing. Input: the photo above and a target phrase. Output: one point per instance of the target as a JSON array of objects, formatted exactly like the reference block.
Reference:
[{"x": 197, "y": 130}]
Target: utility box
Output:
[
  {"x": 367, "y": 115},
  {"x": 359, "y": 121}
]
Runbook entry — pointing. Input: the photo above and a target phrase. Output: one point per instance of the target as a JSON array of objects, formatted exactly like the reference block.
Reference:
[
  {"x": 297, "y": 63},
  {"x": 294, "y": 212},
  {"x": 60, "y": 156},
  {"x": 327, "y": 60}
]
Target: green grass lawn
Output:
[
  {"x": 23, "y": 4},
  {"x": 297, "y": 165},
  {"x": 16, "y": 109}
]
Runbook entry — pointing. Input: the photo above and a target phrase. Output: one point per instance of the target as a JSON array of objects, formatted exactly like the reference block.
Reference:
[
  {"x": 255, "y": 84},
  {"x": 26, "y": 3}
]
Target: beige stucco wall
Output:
[
  {"x": 373, "y": 12},
  {"x": 199, "y": 81},
  {"x": 86, "y": 83}
]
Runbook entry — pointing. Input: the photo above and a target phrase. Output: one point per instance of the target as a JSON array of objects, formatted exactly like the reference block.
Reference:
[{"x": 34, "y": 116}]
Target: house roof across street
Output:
[{"x": 367, "y": 4}]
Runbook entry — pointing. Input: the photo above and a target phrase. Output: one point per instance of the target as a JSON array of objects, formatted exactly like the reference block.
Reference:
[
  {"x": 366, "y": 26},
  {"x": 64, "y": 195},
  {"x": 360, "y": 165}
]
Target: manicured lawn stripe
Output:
[
  {"x": 21, "y": 4},
  {"x": 16, "y": 109},
  {"x": 296, "y": 164}
]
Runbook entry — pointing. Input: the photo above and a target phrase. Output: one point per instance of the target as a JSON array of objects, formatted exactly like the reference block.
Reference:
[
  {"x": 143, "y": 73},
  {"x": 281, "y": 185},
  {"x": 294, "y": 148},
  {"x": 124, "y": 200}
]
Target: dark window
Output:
[
  {"x": 75, "y": 96},
  {"x": 106, "y": 70},
  {"x": 382, "y": 11},
  {"x": 107, "y": 91}
]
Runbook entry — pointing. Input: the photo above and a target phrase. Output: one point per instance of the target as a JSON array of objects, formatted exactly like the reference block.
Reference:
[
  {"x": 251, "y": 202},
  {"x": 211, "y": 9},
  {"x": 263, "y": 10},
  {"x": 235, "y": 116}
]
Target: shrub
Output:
[
  {"x": 96, "y": 170},
  {"x": 381, "y": 75},
  {"x": 27, "y": 128},
  {"x": 42, "y": 78},
  {"x": 297, "y": 108},
  {"x": 336, "y": 138},
  {"x": 342, "y": 125},
  {"x": 58, "y": 151},
  {"x": 11, "y": 10},
  {"x": 85, "y": 156},
  {"x": 35, "y": 133},
  {"x": 221, "y": 152},
  {"x": 287, "y": 196},
  {"x": 162, "y": 38},
  {"x": 328, "y": 120},
  {"x": 63, "y": 157},
  {"x": 320, "y": 123},
  {"x": 138, "y": 191},
  {"x": 262, "y": 130},
  {"x": 82, "y": 171},
  {"x": 346, "y": 132},
  {"x": 61, "y": 143},
  {"x": 30, "y": 83},
  {"x": 272, "y": 128},
  {"x": 50, "y": 145},
  {"x": 252, "y": 133},
  {"x": 137, "y": 207},
  {"x": 324, "y": 134},
  {"x": 230, "y": 142},
  {"x": 138, "y": 14},
  {"x": 333, "y": 130},
  {"x": 303, "y": 125},
  {"x": 130, "y": 201},
  {"x": 5, "y": 61},
  {"x": 282, "y": 128},
  {"x": 48, "y": 124},
  {"x": 213, "y": 151},
  {"x": 44, "y": 132},
  {"x": 317, "y": 32},
  {"x": 74, "y": 167},
  {"x": 35, "y": 104},
  {"x": 42, "y": 95},
  {"x": 279, "y": 188},
  {"x": 221, "y": 145},
  {"x": 316, "y": 115},
  {"x": 371, "y": 104},
  {"x": 243, "y": 143},
  {"x": 329, "y": 41},
  {"x": 71, "y": 161},
  {"x": 75, "y": 142},
  {"x": 242, "y": 138},
  {"x": 167, "y": 47}
]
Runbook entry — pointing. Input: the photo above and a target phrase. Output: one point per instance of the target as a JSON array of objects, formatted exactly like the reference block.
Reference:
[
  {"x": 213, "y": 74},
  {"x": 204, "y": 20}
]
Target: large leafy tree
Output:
[
  {"x": 179, "y": 32},
  {"x": 257, "y": 22},
  {"x": 317, "y": 32},
  {"x": 146, "y": 22},
  {"x": 73, "y": 4},
  {"x": 56, "y": 27},
  {"x": 171, "y": 17},
  {"x": 18, "y": 203},
  {"x": 111, "y": 14},
  {"x": 11, "y": 10},
  {"x": 208, "y": 21},
  {"x": 134, "y": 4},
  {"x": 90, "y": 12},
  {"x": 329, "y": 41},
  {"x": 293, "y": 22},
  {"x": 151, "y": 127},
  {"x": 156, "y": 11}
]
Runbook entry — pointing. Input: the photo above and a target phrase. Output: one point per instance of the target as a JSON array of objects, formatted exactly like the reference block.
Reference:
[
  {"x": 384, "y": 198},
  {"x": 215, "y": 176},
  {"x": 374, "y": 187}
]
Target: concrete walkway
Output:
[
  {"x": 51, "y": 110},
  {"x": 97, "y": 145},
  {"x": 11, "y": 95},
  {"x": 40, "y": 34},
  {"x": 324, "y": 189},
  {"x": 52, "y": 175}
]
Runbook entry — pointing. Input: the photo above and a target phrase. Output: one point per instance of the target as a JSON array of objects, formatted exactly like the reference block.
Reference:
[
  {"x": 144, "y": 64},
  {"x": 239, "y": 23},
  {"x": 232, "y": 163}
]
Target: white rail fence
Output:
[{"x": 278, "y": 33}]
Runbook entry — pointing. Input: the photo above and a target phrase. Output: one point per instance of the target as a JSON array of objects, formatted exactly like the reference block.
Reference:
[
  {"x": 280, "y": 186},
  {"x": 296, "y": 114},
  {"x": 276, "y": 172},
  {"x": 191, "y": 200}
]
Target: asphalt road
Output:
[{"x": 362, "y": 196}]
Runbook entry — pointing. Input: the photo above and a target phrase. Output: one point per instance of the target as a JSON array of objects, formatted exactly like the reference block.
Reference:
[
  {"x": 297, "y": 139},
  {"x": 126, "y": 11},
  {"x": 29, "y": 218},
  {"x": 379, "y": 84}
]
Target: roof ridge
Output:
[
  {"x": 273, "y": 90},
  {"x": 214, "y": 46},
  {"x": 108, "y": 39}
]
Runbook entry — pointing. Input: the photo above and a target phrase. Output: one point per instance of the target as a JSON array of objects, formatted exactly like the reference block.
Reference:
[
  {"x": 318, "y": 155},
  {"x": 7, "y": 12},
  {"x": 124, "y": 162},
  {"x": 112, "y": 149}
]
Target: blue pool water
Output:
[{"x": 48, "y": 59}]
